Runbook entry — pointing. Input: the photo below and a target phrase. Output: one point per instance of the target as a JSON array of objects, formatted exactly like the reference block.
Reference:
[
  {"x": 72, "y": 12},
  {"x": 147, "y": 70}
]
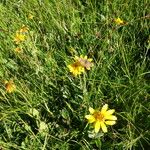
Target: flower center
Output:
[
  {"x": 99, "y": 116},
  {"x": 76, "y": 64}
]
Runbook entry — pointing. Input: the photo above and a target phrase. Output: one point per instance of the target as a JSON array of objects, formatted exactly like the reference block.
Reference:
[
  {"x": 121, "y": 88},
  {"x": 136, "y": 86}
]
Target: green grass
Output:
[{"x": 49, "y": 97}]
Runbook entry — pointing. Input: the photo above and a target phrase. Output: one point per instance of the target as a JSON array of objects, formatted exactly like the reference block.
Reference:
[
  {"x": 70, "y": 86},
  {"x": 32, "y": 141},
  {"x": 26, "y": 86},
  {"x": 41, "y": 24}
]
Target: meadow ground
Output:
[{"x": 43, "y": 105}]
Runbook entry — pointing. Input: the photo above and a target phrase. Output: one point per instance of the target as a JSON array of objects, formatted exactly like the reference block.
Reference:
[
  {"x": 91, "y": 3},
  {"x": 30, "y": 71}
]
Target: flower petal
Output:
[
  {"x": 90, "y": 59},
  {"x": 103, "y": 126},
  {"x": 91, "y": 110},
  {"x": 76, "y": 58},
  {"x": 111, "y": 117},
  {"x": 110, "y": 112},
  {"x": 76, "y": 68},
  {"x": 85, "y": 57},
  {"x": 90, "y": 118},
  {"x": 104, "y": 108},
  {"x": 110, "y": 122},
  {"x": 97, "y": 126}
]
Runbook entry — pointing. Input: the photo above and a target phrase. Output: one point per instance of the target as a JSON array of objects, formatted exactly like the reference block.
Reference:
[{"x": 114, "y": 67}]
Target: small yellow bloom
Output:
[
  {"x": 118, "y": 21},
  {"x": 76, "y": 68},
  {"x": 10, "y": 86},
  {"x": 101, "y": 118},
  {"x": 81, "y": 63},
  {"x": 19, "y": 38},
  {"x": 84, "y": 61},
  {"x": 30, "y": 16}
]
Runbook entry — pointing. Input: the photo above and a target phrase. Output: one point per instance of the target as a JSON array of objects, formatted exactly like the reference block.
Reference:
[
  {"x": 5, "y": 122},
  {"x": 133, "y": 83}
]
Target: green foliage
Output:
[{"x": 48, "y": 108}]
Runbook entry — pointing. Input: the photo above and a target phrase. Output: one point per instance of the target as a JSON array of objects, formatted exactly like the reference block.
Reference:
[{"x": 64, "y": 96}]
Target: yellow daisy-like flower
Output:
[
  {"x": 101, "y": 118},
  {"x": 84, "y": 61},
  {"x": 19, "y": 37},
  {"x": 118, "y": 21},
  {"x": 81, "y": 63},
  {"x": 76, "y": 68},
  {"x": 10, "y": 86}
]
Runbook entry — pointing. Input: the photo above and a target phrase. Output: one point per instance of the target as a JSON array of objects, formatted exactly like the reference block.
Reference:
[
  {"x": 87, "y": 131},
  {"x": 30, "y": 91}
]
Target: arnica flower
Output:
[
  {"x": 76, "y": 68},
  {"x": 118, "y": 21},
  {"x": 81, "y": 63},
  {"x": 10, "y": 86},
  {"x": 20, "y": 34},
  {"x": 19, "y": 37},
  {"x": 101, "y": 118},
  {"x": 84, "y": 61}
]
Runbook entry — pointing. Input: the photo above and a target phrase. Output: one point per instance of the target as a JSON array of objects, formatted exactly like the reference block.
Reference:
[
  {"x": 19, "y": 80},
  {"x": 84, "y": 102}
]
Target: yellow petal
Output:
[
  {"x": 97, "y": 126},
  {"x": 110, "y": 122},
  {"x": 90, "y": 118},
  {"x": 81, "y": 56},
  {"x": 91, "y": 110},
  {"x": 103, "y": 126},
  {"x": 76, "y": 58},
  {"x": 104, "y": 108},
  {"x": 110, "y": 112},
  {"x": 85, "y": 57},
  {"x": 70, "y": 68},
  {"x": 111, "y": 117},
  {"x": 90, "y": 59},
  {"x": 119, "y": 21}
]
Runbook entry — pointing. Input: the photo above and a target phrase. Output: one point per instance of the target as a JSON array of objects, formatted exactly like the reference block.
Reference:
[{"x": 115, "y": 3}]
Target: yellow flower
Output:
[
  {"x": 19, "y": 38},
  {"x": 20, "y": 34},
  {"x": 76, "y": 68},
  {"x": 118, "y": 21},
  {"x": 10, "y": 86},
  {"x": 101, "y": 118},
  {"x": 30, "y": 16},
  {"x": 84, "y": 61},
  {"x": 81, "y": 63}
]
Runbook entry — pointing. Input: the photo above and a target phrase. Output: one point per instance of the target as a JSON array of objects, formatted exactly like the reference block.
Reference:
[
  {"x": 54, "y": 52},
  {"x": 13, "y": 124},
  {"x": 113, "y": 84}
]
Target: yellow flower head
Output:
[
  {"x": 19, "y": 38},
  {"x": 81, "y": 63},
  {"x": 118, "y": 21},
  {"x": 76, "y": 68},
  {"x": 10, "y": 86},
  {"x": 84, "y": 61},
  {"x": 101, "y": 118}
]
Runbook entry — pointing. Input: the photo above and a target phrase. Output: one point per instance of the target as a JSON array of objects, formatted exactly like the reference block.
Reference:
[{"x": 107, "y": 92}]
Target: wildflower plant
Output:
[
  {"x": 80, "y": 65},
  {"x": 119, "y": 21},
  {"x": 101, "y": 118},
  {"x": 76, "y": 68},
  {"x": 10, "y": 86},
  {"x": 20, "y": 35}
]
